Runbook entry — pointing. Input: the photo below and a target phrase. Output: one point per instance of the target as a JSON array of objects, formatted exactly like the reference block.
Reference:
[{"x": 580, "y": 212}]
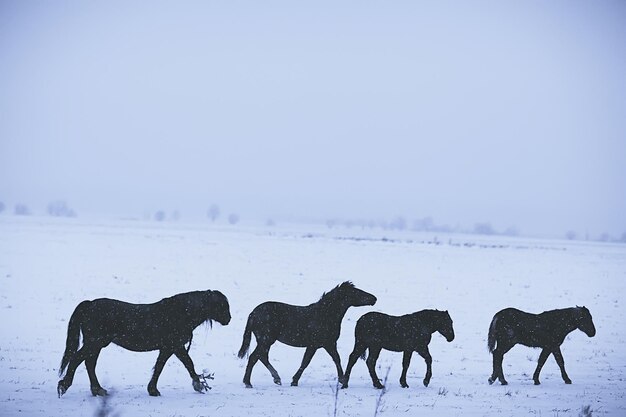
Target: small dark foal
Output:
[
  {"x": 409, "y": 333},
  {"x": 546, "y": 330}
]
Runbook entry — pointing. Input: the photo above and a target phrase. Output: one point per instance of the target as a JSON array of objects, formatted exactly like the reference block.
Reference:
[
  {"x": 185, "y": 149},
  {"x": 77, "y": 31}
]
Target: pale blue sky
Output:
[{"x": 510, "y": 113}]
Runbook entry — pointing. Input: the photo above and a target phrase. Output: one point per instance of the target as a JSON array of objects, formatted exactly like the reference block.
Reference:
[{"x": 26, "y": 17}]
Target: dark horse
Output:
[
  {"x": 166, "y": 325},
  {"x": 408, "y": 333},
  {"x": 314, "y": 326},
  {"x": 546, "y": 330}
]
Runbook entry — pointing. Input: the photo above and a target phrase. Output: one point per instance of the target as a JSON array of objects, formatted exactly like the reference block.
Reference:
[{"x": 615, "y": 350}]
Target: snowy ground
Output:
[{"x": 48, "y": 266}]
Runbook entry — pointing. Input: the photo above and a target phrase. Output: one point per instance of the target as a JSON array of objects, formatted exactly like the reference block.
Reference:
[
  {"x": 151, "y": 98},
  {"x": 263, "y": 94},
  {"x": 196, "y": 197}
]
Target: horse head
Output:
[
  {"x": 445, "y": 326},
  {"x": 219, "y": 307},
  {"x": 585, "y": 322},
  {"x": 356, "y": 297}
]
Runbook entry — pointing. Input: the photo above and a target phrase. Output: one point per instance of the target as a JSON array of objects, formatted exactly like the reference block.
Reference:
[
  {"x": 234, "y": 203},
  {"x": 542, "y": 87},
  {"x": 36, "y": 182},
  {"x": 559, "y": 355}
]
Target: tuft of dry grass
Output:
[{"x": 585, "y": 411}]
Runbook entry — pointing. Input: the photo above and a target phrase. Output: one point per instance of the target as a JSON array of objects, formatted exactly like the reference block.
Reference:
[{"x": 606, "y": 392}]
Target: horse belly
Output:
[
  {"x": 395, "y": 346},
  {"x": 143, "y": 337},
  {"x": 138, "y": 344},
  {"x": 296, "y": 342},
  {"x": 297, "y": 339}
]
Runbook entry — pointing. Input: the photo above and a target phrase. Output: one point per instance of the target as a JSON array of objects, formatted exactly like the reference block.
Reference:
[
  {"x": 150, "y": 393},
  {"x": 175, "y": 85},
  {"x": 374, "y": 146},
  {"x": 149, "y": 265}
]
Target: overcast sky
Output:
[{"x": 508, "y": 113}]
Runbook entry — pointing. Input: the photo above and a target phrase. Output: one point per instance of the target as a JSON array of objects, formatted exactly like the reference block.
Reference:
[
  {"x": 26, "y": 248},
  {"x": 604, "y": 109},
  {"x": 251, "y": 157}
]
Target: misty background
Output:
[{"x": 508, "y": 114}]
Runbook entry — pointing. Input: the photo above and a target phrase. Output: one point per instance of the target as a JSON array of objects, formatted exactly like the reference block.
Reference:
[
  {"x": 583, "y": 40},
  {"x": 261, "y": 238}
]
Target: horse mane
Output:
[
  {"x": 330, "y": 295},
  {"x": 182, "y": 301},
  {"x": 575, "y": 310}
]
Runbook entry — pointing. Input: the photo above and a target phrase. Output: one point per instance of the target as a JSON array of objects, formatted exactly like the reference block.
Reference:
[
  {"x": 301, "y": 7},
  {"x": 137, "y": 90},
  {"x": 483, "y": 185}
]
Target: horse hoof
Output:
[
  {"x": 405, "y": 385},
  {"x": 248, "y": 385},
  {"x": 490, "y": 380},
  {"x": 200, "y": 386},
  {"x": 153, "y": 392},
  {"x": 61, "y": 389},
  {"x": 504, "y": 383},
  {"x": 379, "y": 386},
  {"x": 426, "y": 383},
  {"x": 537, "y": 382},
  {"x": 99, "y": 392},
  {"x": 294, "y": 383},
  {"x": 344, "y": 386},
  {"x": 278, "y": 382},
  {"x": 568, "y": 381}
]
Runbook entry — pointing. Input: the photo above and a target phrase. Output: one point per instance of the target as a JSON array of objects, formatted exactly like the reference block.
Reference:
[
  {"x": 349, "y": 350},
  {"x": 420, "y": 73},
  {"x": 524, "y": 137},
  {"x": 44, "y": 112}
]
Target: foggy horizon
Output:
[{"x": 509, "y": 114}]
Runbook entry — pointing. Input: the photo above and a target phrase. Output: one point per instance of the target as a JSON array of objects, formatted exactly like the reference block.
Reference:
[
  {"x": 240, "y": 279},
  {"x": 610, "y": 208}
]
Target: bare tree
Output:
[
  {"x": 425, "y": 224},
  {"x": 59, "y": 208},
  {"x": 213, "y": 212},
  {"x": 570, "y": 235},
  {"x": 233, "y": 218},
  {"x": 21, "y": 210},
  {"x": 511, "y": 231},
  {"x": 484, "y": 229},
  {"x": 398, "y": 223}
]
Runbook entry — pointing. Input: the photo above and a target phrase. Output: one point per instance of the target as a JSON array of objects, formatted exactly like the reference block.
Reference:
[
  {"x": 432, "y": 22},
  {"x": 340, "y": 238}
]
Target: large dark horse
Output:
[
  {"x": 166, "y": 325},
  {"x": 546, "y": 330},
  {"x": 314, "y": 326},
  {"x": 408, "y": 333}
]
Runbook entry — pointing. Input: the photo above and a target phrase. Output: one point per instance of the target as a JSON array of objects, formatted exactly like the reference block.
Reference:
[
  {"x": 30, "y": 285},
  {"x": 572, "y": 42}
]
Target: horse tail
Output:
[
  {"x": 363, "y": 355},
  {"x": 247, "y": 336},
  {"x": 491, "y": 339},
  {"x": 73, "y": 335}
]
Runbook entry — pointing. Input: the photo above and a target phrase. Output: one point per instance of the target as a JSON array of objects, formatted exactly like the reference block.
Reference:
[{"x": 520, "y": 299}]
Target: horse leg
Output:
[
  {"x": 164, "y": 355},
  {"x": 182, "y": 355},
  {"x": 559, "y": 360},
  {"x": 406, "y": 360},
  {"x": 265, "y": 360},
  {"x": 498, "y": 357},
  {"x": 543, "y": 356},
  {"x": 424, "y": 353},
  {"x": 371, "y": 366},
  {"x": 306, "y": 360},
  {"x": 252, "y": 360},
  {"x": 494, "y": 373},
  {"x": 90, "y": 364},
  {"x": 332, "y": 351},
  {"x": 359, "y": 350},
  {"x": 67, "y": 380}
]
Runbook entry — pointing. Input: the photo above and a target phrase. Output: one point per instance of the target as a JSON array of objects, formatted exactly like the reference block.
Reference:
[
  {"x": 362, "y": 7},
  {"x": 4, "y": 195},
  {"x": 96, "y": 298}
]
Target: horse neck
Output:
[
  {"x": 333, "y": 307},
  {"x": 428, "y": 320},
  {"x": 570, "y": 323},
  {"x": 195, "y": 312},
  {"x": 562, "y": 322}
]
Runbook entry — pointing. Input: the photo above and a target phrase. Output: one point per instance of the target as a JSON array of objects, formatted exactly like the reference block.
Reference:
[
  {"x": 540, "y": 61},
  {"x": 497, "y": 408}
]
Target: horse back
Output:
[
  {"x": 395, "y": 333},
  {"x": 138, "y": 327},
  {"x": 299, "y": 326},
  {"x": 533, "y": 330}
]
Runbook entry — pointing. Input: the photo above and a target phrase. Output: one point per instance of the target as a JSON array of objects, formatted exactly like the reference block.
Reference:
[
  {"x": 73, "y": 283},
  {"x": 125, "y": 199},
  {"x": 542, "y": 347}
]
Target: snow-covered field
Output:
[{"x": 48, "y": 266}]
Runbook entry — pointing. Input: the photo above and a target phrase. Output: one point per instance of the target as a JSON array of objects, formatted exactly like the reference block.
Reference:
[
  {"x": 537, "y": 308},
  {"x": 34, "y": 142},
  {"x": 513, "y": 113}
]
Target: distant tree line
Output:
[
  {"x": 57, "y": 208},
  {"x": 423, "y": 224}
]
